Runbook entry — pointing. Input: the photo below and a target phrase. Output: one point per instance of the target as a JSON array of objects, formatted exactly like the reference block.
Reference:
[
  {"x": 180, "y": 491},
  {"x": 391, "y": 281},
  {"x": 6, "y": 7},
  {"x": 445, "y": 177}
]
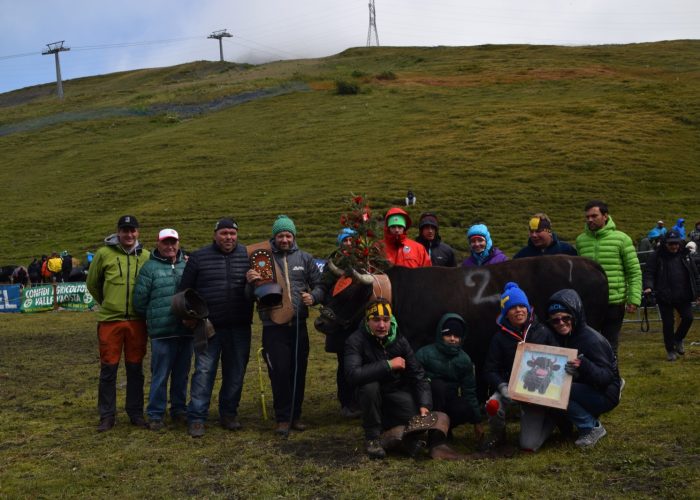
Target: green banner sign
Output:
[
  {"x": 37, "y": 298},
  {"x": 74, "y": 296},
  {"x": 69, "y": 296}
]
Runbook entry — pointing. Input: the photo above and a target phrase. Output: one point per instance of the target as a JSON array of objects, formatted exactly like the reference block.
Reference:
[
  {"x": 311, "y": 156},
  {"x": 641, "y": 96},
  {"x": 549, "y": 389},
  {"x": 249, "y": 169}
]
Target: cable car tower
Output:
[{"x": 372, "y": 26}]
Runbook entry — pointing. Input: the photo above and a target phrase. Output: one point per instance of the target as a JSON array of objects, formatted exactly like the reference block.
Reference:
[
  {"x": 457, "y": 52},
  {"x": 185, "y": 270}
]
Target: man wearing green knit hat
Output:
[{"x": 286, "y": 342}]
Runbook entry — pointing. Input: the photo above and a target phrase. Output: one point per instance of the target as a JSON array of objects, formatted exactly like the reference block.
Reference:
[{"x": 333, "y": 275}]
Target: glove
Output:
[
  {"x": 571, "y": 369},
  {"x": 503, "y": 389}
]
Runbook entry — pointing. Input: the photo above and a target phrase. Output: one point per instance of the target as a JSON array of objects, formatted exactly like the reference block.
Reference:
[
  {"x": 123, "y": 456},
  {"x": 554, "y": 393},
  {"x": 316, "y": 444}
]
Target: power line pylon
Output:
[
  {"x": 219, "y": 35},
  {"x": 54, "y": 48},
  {"x": 372, "y": 25}
]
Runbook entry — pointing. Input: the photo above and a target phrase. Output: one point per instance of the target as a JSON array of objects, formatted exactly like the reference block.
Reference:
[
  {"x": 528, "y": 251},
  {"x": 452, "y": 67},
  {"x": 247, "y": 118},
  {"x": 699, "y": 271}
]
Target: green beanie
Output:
[{"x": 283, "y": 223}]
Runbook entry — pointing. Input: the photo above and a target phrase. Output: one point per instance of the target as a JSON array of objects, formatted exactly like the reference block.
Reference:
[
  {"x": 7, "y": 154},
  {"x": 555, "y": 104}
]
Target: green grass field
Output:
[
  {"x": 489, "y": 133},
  {"x": 49, "y": 367}
]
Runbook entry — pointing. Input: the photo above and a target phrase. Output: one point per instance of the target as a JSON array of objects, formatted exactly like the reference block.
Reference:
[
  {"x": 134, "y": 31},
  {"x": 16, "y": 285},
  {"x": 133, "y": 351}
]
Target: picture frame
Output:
[{"x": 538, "y": 375}]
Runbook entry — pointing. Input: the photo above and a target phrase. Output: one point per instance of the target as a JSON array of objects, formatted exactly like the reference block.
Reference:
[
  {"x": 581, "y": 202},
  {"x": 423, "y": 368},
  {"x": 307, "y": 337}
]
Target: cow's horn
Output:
[
  {"x": 365, "y": 279},
  {"x": 335, "y": 269}
]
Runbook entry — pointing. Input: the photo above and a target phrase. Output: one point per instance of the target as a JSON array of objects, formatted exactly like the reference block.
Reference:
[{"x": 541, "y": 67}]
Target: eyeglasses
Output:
[{"x": 561, "y": 319}]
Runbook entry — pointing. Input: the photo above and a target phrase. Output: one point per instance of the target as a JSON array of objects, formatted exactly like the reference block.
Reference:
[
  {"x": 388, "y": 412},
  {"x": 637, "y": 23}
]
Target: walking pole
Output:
[{"x": 262, "y": 386}]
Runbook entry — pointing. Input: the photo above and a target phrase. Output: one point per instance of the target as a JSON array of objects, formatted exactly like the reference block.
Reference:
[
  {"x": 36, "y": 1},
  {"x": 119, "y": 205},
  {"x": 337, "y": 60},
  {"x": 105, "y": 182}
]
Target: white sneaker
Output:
[{"x": 591, "y": 437}]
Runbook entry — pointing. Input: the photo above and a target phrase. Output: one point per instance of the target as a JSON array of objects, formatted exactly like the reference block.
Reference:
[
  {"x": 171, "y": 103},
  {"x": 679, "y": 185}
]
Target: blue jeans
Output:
[
  {"x": 586, "y": 404},
  {"x": 233, "y": 346},
  {"x": 170, "y": 359}
]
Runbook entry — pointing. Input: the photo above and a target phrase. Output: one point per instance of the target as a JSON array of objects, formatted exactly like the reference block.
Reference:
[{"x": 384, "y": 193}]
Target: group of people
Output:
[
  {"x": 600, "y": 241},
  {"x": 377, "y": 371},
  {"x": 50, "y": 268},
  {"x": 395, "y": 384},
  {"x": 135, "y": 289}
]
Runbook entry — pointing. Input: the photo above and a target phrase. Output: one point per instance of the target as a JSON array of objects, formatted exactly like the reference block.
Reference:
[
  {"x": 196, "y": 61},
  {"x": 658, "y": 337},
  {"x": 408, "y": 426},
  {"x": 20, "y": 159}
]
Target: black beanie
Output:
[{"x": 454, "y": 326}]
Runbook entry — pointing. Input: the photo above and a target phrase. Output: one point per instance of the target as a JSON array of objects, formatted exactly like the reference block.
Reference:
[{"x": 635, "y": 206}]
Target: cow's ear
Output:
[
  {"x": 556, "y": 367},
  {"x": 531, "y": 363}
]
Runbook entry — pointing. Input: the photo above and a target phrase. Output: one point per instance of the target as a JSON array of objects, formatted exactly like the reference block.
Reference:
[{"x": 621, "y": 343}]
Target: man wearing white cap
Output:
[{"x": 171, "y": 341}]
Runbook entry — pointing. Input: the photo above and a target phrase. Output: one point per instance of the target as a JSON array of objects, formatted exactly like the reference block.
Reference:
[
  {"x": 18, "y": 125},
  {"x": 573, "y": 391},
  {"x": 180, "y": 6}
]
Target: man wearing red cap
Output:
[{"x": 399, "y": 249}]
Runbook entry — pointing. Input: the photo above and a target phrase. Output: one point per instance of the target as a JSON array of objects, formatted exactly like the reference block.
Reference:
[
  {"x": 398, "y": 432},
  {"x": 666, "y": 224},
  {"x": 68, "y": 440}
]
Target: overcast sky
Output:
[{"x": 107, "y": 36}]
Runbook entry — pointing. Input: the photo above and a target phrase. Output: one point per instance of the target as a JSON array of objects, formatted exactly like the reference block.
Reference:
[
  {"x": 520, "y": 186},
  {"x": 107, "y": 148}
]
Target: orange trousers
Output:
[{"x": 114, "y": 336}]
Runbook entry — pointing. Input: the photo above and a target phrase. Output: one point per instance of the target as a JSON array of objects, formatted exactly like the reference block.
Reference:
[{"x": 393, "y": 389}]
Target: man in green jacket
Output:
[
  {"x": 171, "y": 340},
  {"x": 615, "y": 252},
  {"x": 111, "y": 281}
]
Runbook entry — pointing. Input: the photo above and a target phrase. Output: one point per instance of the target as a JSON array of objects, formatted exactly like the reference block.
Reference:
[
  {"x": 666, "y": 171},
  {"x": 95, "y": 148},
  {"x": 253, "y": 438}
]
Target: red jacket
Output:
[{"x": 402, "y": 251}]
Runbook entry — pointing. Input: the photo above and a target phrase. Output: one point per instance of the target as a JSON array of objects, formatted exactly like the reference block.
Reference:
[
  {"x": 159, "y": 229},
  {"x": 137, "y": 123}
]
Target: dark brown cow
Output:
[{"x": 421, "y": 296}]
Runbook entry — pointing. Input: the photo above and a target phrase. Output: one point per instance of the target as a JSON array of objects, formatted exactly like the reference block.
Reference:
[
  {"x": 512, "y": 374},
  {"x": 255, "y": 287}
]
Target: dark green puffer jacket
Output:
[
  {"x": 155, "y": 286},
  {"x": 450, "y": 363}
]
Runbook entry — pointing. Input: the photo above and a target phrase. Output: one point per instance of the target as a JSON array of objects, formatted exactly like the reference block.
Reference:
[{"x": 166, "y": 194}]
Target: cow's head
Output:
[
  {"x": 343, "y": 311},
  {"x": 543, "y": 366}
]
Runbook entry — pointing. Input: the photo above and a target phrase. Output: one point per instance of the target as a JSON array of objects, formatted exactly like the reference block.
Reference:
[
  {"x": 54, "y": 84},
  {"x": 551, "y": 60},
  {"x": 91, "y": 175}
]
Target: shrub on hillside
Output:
[
  {"x": 346, "y": 88},
  {"x": 386, "y": 75}
]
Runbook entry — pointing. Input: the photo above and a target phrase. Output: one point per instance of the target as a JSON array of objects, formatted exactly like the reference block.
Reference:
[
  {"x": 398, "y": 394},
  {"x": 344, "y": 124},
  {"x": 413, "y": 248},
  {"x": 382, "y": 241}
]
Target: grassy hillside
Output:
[{"x": 490, "y": 132}]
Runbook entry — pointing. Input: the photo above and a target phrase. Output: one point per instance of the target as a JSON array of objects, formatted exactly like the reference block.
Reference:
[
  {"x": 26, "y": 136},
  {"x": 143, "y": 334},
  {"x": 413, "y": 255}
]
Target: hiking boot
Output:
[
  {"x": 349, "y": 412},
  {"x": 138, "y": 421},
  {"x": 671, "y": 356},
  {"x": 195, "y": 429},
  {"x": 374, "y": 449},
  {"x": 298, "y": 425},
  {"x": 106, "y": 423},
  {"x": 679, "y": 348},
  {"x": 155, "y": 425},
  {"x": 230, "y": 423},
  {"x": 493, "y": 440},
  {"x": 589, "y": 437},
  {"x": 282, "y": 428},
  {"x": 413, "y": 444}
]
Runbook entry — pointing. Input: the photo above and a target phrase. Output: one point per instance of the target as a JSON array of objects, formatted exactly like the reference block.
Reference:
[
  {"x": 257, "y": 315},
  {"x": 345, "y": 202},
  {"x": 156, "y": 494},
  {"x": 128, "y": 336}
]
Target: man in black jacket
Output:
[
  {"x": 672, "y": 275},
  {"x": 217, "y": 272},
  {"x": 391, "y": 383},
  {"x": 441, "y": 254},
  {"x": 542, "y": 240}
]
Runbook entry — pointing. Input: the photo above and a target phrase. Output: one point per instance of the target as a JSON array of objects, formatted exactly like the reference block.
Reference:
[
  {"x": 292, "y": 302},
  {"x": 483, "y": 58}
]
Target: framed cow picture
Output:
[{"x": 538, "y": 375}]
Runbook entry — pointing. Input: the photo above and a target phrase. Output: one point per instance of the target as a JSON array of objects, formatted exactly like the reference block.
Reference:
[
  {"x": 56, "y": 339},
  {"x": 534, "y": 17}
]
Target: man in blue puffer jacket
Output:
[{"x": 171, "y": 341}]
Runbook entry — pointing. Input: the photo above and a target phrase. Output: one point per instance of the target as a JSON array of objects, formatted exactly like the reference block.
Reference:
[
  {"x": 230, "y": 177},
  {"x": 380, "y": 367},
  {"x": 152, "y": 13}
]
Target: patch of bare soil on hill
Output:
[{"x": 487, "y": 78}]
